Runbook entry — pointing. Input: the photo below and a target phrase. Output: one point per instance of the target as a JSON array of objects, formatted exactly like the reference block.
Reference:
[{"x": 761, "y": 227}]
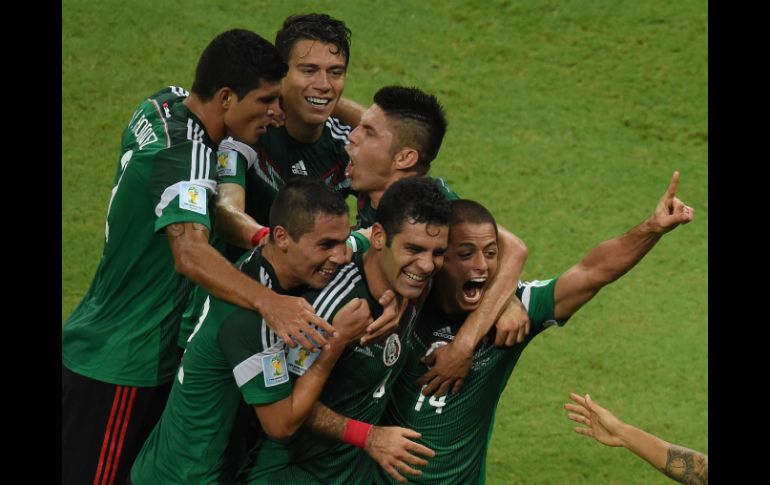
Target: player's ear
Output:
[
  {"x": 225, "y": 96},
  {"x": 378, "y": 238},
  {"x": 281, "y": 237},
  {"x": 406, "y": 158}
]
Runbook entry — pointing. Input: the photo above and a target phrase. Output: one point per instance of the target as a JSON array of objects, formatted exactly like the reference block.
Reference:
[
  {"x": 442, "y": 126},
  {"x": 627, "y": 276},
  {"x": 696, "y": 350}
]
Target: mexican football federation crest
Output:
[{"x": 392, "y": 350}]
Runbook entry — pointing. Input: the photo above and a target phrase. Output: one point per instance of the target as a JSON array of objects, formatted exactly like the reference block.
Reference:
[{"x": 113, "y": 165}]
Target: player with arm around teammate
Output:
[
  {"x": 458, "y": 426},
  {"x": 118, "y": 345},
  {"x": 408, "y": 243},
  {"x": 233, "y": 355}
]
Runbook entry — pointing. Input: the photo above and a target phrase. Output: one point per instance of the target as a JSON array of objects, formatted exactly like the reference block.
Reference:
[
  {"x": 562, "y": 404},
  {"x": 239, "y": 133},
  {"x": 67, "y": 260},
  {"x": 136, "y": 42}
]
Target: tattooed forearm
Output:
[
  {"x": 687, "y": 466},
  {"x": 175, "y": 230},
  {"x": 178, "y": 229}
]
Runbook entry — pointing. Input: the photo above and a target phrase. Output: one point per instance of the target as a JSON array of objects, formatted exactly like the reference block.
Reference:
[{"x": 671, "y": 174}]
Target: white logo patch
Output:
[
  {"x": 274, "y": 369},
  {"x": 364, "y": 350},
  {"x": 445, "y": 332},
  {"x": 300, "y": 359},
  {"x": 192, "y": 197},
  {"x": 392, "y": 350},
  {"x": 299, "y": 168},
  {"x": 227, "y": 163}
]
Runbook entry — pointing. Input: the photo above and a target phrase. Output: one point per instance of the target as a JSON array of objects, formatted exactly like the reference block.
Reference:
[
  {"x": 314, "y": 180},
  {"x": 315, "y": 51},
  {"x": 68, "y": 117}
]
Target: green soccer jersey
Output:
[
  {"x": 357, "y": 388},
  {"x": 458, "y": 427},
  {"x": 124, "y": 331},
  {"x": 366, "y": 213},
  {"x": 233, "y": 357},
  {"x": 264, "y": 169}
]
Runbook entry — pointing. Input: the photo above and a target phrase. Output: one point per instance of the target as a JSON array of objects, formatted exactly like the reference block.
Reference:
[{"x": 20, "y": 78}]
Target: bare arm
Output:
[
  {"x": 232, "y": 223},
  {"x": 612, "y": 259},
  {"x": 348, "y": 111},
  {"x": 682, "y": 464},
  {"x": 283, "y": 418},
  {"x": 392, "y": 447},
  {"x": 450, "y": 364},
  {"x": 195, "y": 258}
]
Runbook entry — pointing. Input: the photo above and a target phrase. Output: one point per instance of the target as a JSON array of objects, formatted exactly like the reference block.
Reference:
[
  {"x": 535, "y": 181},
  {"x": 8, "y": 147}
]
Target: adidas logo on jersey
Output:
[
  {"x": 299, "y": 168},
  {"x": 364, "y": 350},
  {"x": 445, "y": 333}
]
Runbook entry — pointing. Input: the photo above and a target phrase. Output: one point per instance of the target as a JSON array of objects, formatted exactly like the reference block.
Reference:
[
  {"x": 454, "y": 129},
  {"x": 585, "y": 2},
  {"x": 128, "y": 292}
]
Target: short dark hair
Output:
[
  {"x": 313, "y": 26},
  {"x": 240, "y": 60},
  {"x": 420, "y": 121},
  {"x": 466, "y": 210},
  {"x": 299, "y": 201},
  {"x": 415, "y": 200}
]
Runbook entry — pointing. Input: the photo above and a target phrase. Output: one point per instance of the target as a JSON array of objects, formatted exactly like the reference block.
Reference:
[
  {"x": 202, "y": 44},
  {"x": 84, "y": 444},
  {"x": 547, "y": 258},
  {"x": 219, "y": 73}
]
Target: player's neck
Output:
[
  {"x": 301, "y": 131},
  {"x": 376, "y": 195},
  {"x": 210, "y": 114},
  {"x": 281, "y": 267},
  {"x": 375, "y": 280}
]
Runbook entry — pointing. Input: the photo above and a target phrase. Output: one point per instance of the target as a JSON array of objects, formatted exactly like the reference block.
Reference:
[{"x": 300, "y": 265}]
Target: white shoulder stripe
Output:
[
  {"x": 179, "y": 91},
  {"x": 340, "y": 137},
  {"x": 337, "y": 125},
  {"x": 339, "y": 298},
  {"x": 267, "y": 334},
  {"x": 337, "y": 130},
  {"x": 331, "y": 292},
  {"x": 525, "y": 296},
  {"x": 340, "y": 274},
  {"x": 200, "y": 160},
  {"x": 252, "y": 367}
]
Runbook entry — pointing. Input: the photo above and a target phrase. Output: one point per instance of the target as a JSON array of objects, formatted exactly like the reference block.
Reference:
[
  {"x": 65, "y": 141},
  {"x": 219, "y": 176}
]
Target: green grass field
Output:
[{"x": 566, "y": 120}]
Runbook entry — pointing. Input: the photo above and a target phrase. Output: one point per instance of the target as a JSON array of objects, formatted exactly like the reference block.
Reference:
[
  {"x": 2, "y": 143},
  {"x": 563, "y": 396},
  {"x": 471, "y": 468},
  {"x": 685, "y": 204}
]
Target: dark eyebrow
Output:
[{"x": 329, "y": 240}]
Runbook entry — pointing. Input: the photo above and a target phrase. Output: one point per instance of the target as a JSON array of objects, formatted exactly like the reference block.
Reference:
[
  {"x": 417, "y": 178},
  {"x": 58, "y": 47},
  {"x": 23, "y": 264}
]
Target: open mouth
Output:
[
  {"x": 327, "y": 272},
  {"x": 415, "y": 278},
  {"x": 349, "y": 169},
  {"x": 473, "y": 289},
  {"x": 318, "y": 102}
]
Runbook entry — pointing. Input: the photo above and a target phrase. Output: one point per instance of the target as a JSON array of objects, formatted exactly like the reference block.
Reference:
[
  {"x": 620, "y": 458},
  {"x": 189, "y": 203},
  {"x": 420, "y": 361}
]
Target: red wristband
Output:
[
  {"x": 356, "y": 433},
  {"x": 259, "y": 235}
]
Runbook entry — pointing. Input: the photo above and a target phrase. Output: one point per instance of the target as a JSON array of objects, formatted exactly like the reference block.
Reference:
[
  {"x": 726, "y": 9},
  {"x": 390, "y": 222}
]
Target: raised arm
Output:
[
  {"x": 232, "y": 223},
  {"x": 289, "y": 317},
  {"x": 392, "y": 447},
  {"x": 682, "y": 464},
  {"x": 348, "y": 111},
  {"x": 612, "y": 259},
  {"x": 450, "y": 364},
  {"x": 283, "y": 418}
]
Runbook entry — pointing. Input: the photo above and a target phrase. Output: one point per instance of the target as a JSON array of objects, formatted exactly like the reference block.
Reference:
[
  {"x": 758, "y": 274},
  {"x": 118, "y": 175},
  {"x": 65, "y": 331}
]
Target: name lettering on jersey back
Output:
[{"x": 142, "y": 130}]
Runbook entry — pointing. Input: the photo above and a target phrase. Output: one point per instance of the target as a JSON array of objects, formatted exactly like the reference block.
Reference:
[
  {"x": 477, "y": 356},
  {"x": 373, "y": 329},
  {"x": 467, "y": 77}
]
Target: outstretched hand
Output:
[
  {"x": 670, "y": 211},
  {"x": 393, "y": 449},
  {"x": 603, "y": 426}
]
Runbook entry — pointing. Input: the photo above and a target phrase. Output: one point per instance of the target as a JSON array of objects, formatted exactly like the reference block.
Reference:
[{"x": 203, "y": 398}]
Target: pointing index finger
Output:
[{"x": 672, "y": 186}]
